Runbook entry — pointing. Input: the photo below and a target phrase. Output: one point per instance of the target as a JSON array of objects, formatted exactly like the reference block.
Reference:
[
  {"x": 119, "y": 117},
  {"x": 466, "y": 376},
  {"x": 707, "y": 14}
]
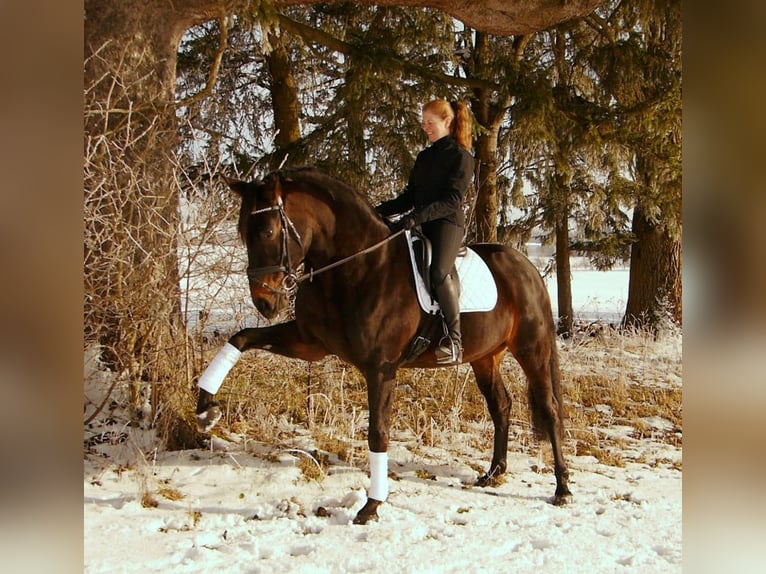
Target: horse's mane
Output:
[
  {"x": 336, "y": 189},
  {"x": 307, "y": 178}
]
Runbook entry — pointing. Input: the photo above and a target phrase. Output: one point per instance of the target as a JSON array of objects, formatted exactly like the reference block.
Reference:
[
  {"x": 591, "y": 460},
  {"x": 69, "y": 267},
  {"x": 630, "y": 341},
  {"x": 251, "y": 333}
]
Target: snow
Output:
[
  {"x": 596, "y": 295},
  {"x": 244, "y": 514},
  {"x": 241, "y": 513},
  {"x": 245, "y": 506}
]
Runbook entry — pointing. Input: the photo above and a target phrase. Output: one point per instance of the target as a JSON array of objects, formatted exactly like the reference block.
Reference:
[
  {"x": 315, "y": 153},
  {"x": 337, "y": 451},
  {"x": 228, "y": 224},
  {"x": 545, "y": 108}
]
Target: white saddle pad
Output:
[{"x": 478, "y": 291}]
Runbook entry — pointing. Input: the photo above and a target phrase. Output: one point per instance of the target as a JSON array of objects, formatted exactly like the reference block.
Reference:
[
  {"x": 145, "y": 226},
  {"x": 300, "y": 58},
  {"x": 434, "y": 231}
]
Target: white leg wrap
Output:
[
  {"x": 218, "y": 368},
  {"x": 378, "y": 476}
]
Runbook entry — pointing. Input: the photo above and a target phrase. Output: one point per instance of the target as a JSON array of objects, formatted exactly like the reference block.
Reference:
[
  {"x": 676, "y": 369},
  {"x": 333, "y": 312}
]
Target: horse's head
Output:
[
  {"x": 274, "y": 245},
  {"x": 299, "y": 215}
]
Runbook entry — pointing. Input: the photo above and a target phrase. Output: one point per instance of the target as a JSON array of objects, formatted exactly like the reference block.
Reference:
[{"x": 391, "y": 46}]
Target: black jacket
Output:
[{"x": 437, "y": 184}]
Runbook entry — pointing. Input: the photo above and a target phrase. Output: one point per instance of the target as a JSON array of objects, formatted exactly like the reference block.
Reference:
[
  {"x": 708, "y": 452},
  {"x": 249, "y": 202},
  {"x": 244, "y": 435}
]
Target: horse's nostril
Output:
[{"x": 269, "y": 308}]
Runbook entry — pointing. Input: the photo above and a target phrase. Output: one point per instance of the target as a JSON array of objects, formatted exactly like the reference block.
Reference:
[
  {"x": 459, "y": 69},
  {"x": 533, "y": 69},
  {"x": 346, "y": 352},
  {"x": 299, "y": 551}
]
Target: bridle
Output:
[{"x": 292, "y": 278}]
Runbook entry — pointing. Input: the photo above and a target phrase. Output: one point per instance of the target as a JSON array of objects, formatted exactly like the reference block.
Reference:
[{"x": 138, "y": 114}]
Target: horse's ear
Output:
[{"x": 236, "y": 185}]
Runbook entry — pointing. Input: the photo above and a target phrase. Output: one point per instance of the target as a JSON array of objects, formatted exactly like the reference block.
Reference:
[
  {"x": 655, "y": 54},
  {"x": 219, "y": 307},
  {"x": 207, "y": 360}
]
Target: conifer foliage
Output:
[{"x": 577, "y": 128}]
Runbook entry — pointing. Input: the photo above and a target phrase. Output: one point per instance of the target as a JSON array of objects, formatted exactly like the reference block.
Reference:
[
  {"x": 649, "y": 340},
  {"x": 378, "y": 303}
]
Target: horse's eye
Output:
[{"x": 267, "y": 233}]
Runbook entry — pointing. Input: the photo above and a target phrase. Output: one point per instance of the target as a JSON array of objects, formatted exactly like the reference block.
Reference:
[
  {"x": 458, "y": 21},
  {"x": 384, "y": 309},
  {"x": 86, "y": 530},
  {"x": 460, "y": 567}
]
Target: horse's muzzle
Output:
[
  {"x": 269, "y": 308},
  {"x": 268, "y": 300}
]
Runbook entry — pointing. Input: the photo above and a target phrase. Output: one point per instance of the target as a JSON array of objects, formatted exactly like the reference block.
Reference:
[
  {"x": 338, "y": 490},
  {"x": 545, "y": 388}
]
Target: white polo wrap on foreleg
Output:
[
  {"x": 378, "y": 476},
  {"x": 218, "y": 368}
]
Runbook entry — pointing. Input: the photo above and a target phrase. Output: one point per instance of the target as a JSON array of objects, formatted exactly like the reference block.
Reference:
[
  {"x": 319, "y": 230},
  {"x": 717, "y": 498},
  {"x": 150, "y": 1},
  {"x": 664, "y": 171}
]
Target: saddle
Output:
[
  {"x": 478, "y": 291},
  {"x": 421, "y": 255}
]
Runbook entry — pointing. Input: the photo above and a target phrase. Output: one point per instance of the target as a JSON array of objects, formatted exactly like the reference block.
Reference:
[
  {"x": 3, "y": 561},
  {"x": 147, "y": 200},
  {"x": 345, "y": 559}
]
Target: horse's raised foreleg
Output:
[
  {"x": 283, "y": 339},
  {"x": 380, "y": 398},
  {"x": 490, "y": 383}
]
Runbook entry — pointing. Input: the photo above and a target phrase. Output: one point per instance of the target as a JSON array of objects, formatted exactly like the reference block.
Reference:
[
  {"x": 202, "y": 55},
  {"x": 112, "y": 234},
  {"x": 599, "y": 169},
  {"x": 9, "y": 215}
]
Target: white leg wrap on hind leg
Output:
[
  {"x": 218, "y": 368},
  {"x": 378, "y": 476}
]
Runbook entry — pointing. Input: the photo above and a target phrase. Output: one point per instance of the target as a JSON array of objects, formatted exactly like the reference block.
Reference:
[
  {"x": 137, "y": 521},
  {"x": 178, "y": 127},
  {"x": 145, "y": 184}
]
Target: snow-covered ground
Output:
[
  {"x": 245, "y": 506},
  {"x": 245, "y": 512}
]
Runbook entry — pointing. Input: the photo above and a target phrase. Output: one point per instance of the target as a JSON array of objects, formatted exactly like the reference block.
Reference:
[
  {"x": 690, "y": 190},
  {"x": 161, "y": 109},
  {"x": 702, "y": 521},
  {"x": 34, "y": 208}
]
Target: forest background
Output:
[{"x": 577, "y": 138}]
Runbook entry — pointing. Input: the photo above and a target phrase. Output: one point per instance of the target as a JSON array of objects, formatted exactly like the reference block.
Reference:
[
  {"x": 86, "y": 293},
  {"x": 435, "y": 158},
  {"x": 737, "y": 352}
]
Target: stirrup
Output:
[{"x": 448, "y": 353}]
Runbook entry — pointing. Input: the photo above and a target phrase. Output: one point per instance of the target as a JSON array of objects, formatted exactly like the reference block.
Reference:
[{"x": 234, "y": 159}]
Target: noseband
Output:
[{"x": 290, "y": 281}]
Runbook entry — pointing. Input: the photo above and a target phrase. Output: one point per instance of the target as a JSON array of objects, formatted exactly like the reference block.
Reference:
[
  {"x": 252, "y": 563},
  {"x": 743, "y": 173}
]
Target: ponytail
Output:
[{"x": 461, "y": 124}]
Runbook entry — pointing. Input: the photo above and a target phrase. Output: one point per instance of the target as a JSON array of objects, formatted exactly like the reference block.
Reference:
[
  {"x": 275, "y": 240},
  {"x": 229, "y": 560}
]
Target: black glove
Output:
[
  {"x": 406, "y": 222},
  {"x": 383, "y": 216}
]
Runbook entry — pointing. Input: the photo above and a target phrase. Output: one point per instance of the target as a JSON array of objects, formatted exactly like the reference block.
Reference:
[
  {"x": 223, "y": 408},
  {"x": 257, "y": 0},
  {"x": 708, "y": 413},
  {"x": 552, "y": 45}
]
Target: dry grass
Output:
[
  {"x": 619, "y": 388},
  {"x": 623, "y": 380},
  {"x": 170, "y": 493}
]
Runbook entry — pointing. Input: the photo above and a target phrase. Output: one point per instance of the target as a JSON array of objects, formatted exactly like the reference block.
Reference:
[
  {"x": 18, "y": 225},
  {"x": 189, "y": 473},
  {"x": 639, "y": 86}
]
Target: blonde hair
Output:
[{"x": 460, "y": 128}]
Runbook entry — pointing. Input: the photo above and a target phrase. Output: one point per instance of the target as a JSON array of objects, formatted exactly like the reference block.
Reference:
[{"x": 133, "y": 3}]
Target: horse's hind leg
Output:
[
  {"x": 540, "y": 364},
  {"x": 490, "y": 383}
]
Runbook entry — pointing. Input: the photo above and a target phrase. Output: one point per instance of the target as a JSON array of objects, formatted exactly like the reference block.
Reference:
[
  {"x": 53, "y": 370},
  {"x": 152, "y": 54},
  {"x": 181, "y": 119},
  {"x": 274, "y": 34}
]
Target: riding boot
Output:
[{"x": 450, "y": 349}]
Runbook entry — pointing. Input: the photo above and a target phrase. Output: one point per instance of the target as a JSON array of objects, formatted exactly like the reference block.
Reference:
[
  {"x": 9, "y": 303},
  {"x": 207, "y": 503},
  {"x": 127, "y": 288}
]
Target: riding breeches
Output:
[{"x": 446, "y": 239}]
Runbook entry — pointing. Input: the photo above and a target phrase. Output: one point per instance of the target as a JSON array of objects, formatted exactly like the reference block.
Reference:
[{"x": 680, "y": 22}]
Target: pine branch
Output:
[
  {"x": 223, "y": 43},
  {"x": 382, "y": 58}
]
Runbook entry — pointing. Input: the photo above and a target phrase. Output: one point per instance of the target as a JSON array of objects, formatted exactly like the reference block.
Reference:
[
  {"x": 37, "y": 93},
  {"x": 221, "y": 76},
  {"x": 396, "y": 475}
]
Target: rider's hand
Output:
[{"x": 406, "y": 222}]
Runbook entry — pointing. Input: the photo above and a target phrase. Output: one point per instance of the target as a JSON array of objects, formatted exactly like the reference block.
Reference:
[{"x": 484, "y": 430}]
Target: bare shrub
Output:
[
  {"x": 155, "y": 258},
  {"x": 130, "y": 213}
]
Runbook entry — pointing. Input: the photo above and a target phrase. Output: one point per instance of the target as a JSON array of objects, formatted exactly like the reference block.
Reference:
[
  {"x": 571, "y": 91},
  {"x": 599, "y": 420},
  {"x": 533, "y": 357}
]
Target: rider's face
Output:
[{"x": 434, "y": 126}]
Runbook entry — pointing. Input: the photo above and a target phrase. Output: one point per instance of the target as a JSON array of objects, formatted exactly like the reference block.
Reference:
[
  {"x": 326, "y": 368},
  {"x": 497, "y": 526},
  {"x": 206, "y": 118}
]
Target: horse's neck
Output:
[
  {"x": 342, "y": 230},
  {"x": 358, "y": 232}
]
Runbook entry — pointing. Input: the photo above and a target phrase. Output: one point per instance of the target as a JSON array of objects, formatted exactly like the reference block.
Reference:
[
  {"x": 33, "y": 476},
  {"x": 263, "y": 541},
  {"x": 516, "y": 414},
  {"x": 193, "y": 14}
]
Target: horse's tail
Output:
[{"x": 541, "y": 417}]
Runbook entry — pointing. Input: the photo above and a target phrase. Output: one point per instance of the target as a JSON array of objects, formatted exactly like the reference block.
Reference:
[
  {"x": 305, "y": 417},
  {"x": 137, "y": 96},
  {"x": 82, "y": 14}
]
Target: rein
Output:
[
  {"x": 292, "y": 279},
  {"x": 312, "y": 272}
]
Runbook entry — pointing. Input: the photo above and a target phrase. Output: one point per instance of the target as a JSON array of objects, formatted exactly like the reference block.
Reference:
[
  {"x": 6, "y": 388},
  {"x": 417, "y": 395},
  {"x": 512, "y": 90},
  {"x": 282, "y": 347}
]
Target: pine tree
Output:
[
  {"x": 596, "y": 135},
  {"x": 640, "y": 68}
]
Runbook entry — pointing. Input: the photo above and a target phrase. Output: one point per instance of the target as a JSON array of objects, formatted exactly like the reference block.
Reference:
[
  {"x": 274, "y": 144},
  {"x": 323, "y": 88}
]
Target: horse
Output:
[{"x": 355, "y": 299}]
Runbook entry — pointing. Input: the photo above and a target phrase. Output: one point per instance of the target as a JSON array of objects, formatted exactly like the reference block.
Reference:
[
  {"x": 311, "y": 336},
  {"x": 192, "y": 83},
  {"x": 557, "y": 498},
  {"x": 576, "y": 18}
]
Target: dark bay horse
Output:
[{"x": 359, "y": 304}]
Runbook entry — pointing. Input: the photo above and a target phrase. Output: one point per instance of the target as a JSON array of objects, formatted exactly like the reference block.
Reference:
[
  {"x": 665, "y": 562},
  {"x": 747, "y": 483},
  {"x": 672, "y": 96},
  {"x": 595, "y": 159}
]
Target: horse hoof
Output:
[
  {"x": 207, "y": 419},
  {"x": 368, "y": 513},
  {"x": 490, "y": 478},
  {"x": 484, "y": 480},
  {"x": 562, "y": 499}
]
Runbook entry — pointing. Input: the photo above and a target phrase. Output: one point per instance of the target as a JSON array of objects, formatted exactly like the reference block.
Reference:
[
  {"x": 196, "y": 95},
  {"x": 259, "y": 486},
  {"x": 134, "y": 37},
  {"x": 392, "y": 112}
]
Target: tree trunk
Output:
[
  {"x": 563, "y": 269},
  {"x": 355, "y": 129},
  {"x": 284, "y": 101},
  {"x": 488, "y": 117},
  {"x": 486, "y": 198},
  {"x": 654, "y": 289}
]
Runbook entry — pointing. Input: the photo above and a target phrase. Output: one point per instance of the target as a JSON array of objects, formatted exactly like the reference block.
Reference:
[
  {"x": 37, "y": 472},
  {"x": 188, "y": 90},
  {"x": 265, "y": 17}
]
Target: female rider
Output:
[{"x": 433, "y": 199}]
